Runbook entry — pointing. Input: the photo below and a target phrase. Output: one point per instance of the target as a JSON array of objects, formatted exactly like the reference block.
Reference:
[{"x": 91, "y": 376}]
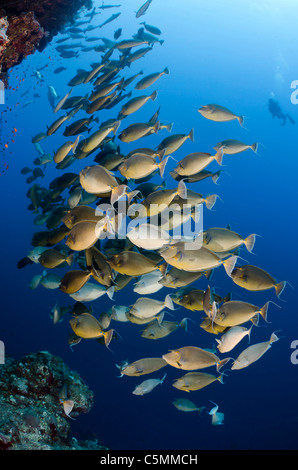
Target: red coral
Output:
[{"x": 24, "y": 33}]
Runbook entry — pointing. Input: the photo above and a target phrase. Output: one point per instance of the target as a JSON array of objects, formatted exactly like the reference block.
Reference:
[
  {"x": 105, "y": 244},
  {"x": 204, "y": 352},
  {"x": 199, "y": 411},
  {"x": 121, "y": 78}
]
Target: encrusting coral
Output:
[{"x": 33, "y": 393}]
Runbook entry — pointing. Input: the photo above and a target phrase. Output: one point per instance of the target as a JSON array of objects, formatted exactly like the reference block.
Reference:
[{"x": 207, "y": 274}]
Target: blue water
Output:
[{"x": 231, "y": 53}]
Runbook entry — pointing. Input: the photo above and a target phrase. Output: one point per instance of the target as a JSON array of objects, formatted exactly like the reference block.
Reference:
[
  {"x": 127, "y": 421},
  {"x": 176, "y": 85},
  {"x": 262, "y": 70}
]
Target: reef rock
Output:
[
  {"x": 32, "y": 415},
  {"x": 20, "y": 36},
  {"x": 27, "y": 25}
]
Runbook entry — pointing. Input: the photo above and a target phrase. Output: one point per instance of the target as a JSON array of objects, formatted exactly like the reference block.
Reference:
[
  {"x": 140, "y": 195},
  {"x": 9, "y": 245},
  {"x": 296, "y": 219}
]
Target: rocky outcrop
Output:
[
  {"x": 33, "y": 394},
  {"x": 22, "y": 34},
  {"x": 29, "y": 25}
]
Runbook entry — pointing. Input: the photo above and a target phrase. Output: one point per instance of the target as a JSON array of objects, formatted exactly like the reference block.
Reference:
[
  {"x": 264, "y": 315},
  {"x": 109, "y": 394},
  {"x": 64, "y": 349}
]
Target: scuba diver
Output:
[{"x": 275, "y": 110}]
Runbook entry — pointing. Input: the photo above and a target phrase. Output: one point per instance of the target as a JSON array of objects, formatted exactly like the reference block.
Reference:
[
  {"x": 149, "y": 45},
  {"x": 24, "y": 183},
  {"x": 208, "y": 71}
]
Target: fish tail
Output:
[
  {"x": 108, "y": 335},
  {"x": 120, "y": 84},
  {"x": 154, "y": 95},
  {"x": 249, "y": 332},
  {"x": 250, "y": 242},
  {"x": 280, "y": 287},
  {"x": 166, "y": 71},
  {"x": 254, "y": 147},
  {"x": 156, "y": 127},
  {"x": 210, "y": 201},
  {"x": 182, "y": 190},
  {"x": 208, "y": 273},
  {"x": 220, "y": 379},
  {"x": 161, "y": 380},
  {"x": 241, "y": 120},
  {"x": 110, "y": 292},
  {"x": 131, "y": 195},
  {"x": 117, "y": 193},
  {"x": 75, "y": 145},
  {"x": 215, "y": 176},
  {"x": 116, "y": 126},
  {"x": 161, "y": 154},
  {"x": 162, "y": 166},
  {"x": 169, "y": 303},
  {"x": 191, "y": 135},
  {"x": 160, "y": 318},
  {"x": 163, "y": 269},
  {"x": 221, "y": 363},
  {"x": 70, "y": 259},
  {"x": 264, "y": 311},
  {"x": 219, "y": 155},
  {"x": 169, "y": 127},
  {"x": 183, "y": 323},
  {"x": 229, "y": 264},
  {"x": 201, "y": 409},
  {"x": 255, "y": 319},
  {"x": 273, "y": 338}
]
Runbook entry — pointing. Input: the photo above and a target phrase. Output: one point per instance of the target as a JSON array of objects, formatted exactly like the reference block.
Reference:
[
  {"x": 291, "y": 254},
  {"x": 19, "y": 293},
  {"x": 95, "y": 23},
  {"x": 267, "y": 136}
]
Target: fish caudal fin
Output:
[
  {"x": 166, "y": 71},
  {"x": 220, "y": 379},
  {"x": 221, "y": 363},
  {"x": 117, "y": 193},
  {"x": 241, "y": 120},
  {"x": 219, "y": 155},
  {"x": 116, "y": 126},
  {"x": 191, "y": 135},
  {"x": 280, "y": 287},
  {"x": 229, "y": 264},
  {"x": 183, "y": 324},
  {"x": 169, "y": 303},
  {"x": 156, "y": 127},
  {"x": 254, "y": 147},
  {"x": 215, "y": 176},
  {"x": 108, "y": 335},
  {"x": 161, "y": 380},
  {"x": 249, "y": 332},
  {"x": 161, "y": 154},
  {"x": 264, "y": 311},
  {"x": 210, "y": 201},
  {"x": 182, "y": 190},
  {"x": 250, "y": 242},
  {"x": 273, "y": 338},
  {"x": 110, "y": 292},
  {"x": 169, "y": 127},
  {"x": 154, "y": 95},
  {"x": 70, "y": 259},
  {"x": 162, "y": 166},
  {"x": 163, "y": 269}
]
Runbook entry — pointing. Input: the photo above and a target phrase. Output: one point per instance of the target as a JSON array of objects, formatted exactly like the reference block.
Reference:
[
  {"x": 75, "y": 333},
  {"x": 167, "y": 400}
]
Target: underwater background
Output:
[{"x": 235, "y": 54}]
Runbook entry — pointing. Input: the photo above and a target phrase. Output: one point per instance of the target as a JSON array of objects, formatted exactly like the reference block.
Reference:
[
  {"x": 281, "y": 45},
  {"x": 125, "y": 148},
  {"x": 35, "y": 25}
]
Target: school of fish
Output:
[{"x": 80, "y": 219}]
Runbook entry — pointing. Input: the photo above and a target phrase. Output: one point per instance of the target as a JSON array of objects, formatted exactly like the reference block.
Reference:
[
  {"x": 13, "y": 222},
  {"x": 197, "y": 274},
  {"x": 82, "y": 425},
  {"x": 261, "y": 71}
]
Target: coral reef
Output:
[
  {"x": 32, "y": 392},
  {"x": 22, "y": 36},
  {"x": 29, "y": 25},
  {"x": 3, "y": 35}
]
